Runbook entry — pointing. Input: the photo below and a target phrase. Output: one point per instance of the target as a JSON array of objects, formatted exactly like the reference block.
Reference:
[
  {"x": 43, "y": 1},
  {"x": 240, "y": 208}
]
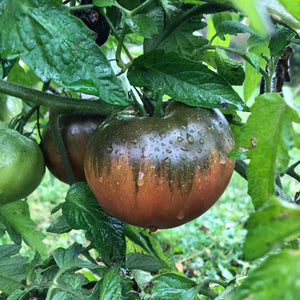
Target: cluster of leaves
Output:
[{"x": 42, "y": 43}]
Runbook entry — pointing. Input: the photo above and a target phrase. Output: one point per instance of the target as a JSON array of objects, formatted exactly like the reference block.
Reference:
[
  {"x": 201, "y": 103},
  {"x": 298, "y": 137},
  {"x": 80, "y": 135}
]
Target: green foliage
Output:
[
  {"x": 267, "y": 144},
  {"x": 82, "y": 211},
  {"x": 270, "y": 227},
  {"x": 264, "y": 282},
  {"x": 16, "y": 220},
  {"x": 12, "y": 268},
  {"x": 71, "y": 60},
  {"x": 162, "y": 49},
  {"x": 183, "y": 80}
]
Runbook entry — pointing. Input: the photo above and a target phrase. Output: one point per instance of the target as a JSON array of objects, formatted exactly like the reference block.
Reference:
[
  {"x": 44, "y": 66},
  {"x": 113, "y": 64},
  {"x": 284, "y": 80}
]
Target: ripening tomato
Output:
[
  {"x": 160, "y": 172},
  {"x": 76, "y": 130},
  {"x": 21, "y": 165}
]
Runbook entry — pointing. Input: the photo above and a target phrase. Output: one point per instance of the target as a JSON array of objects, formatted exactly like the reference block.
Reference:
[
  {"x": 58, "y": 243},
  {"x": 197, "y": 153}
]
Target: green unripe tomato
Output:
[
  {"x": 21, "y": 165},
  {"x": 9, "y": 107}
]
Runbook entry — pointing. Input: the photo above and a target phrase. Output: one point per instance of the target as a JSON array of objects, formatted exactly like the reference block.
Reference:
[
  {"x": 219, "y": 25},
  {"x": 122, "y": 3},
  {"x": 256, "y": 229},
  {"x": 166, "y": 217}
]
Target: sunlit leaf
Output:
[
  {"x": 266, "y": 139},
  {"x": 183, "y": 80}
]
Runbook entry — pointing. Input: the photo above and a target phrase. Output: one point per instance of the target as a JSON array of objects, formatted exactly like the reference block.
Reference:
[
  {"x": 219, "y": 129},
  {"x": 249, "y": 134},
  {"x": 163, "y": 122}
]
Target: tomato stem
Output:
[
  {"x": 58, "y": 102},
  {"x": 158, "y": 110},
  {"x": 137, "y": 104},
  {"x": 115, "y": 33},
  {"x": 54, "y": 123},
  {"x": 81, "y": 7}
]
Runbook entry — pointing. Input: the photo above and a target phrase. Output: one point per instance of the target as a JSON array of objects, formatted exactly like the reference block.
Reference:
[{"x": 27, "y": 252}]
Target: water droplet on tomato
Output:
[
  {"x": 109, "y": 149},
  {"x": 140, "y": 180},
  {"x": 183, "y": 148},
  {"x": 101, "y": 179},
  {"x": 201, "y": 141},
  {"x": 222, "y": 158},
  {"x": 167, "y": 161},
  {"x": 179, "y": 139},
  {"x": 180, "y": 216},
  {"x": 221, "y": 124},
  {"x": 169, "y": 151},
  {"x": 190, "y": 139}
]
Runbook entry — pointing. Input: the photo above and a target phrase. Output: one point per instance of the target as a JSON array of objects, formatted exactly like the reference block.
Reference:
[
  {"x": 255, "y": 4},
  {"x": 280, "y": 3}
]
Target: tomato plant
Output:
[
  {"x": 215, "y": 58},
  {"x": 76, "y": 131},
  {"x": 21, "y": 166},
  {"x": 158, "y": 172}
]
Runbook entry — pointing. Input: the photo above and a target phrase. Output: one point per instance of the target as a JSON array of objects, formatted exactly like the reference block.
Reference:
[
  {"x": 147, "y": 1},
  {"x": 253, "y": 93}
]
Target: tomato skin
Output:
[
  {"x": 76, "y": 131},
  {"x": 9, "y": 107},
  {"x": 160, "y": 172},
  {"x": 22, "y": 166}
]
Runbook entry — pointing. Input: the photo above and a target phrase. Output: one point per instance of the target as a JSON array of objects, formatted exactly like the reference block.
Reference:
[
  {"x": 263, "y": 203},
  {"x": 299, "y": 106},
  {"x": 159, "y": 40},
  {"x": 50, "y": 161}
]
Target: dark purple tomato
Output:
[
  {"x": 76, "y": 131},
  {"x": 160, "y": 172},
  {"x": 95, "y": 21}
]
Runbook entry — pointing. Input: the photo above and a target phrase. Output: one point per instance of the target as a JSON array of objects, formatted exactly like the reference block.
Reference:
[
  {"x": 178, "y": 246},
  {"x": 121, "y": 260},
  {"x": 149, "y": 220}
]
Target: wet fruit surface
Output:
[
  {"x": 160, "y": 172},
  {"x": 21, "y": 166},
  {"x": 76, "y": 131}
]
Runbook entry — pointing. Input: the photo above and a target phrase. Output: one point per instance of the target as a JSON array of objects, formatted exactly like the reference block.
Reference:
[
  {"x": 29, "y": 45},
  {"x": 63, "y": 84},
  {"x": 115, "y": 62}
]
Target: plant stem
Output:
[
  {"x": 291, "y": 171},
  {"x": 115, "y": 33},
  {"x": 120, "y": 62},
  {"x": 81, "y": 7},
  {"x": 54, "y": 123},
  {"x": 57, "y": 102},
  {"x": 140, "y": 7}
]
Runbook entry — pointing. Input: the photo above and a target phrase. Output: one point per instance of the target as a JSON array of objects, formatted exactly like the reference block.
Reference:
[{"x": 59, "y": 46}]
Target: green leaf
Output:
[
  {"x": 18, "y": 75},
  {"x": 266, "y": 139},
  {"x": 252, "y": 75},
  {"x": 82, "y": 211},
  {"x": 149, "y": 243},
  {"x": 277, "y": 278},
  {"x": 12, "y": 268},
  {"x": 143, "y": 262},
  {"x": 283, "y": 38},
  {"x": 142, "y": 25},
  {"x": 278, "y": 11},
  {"x": 212, "y": 22},
  {"x": 171, "y": 286},
  {"x": 59, "y": 226},
  {"x": 232, "y": 28},
  {"x": 258, "y": 15},
  {"x": 67, "y": 259},
  {"x": 292, "y": 7},
  {"x": 69, "y": 286},
  {"x": 58, "y": 46},
  {"x": 183, "y": 80},
  {"x": 110, "y": 286},
  {"x": 17, "y": 294},
  {"x": 270, "y": 227},
  {"x": 231, "y": 70},
  {"x": 182, "y": 40},
  {"x": 16, "y": 216}
]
